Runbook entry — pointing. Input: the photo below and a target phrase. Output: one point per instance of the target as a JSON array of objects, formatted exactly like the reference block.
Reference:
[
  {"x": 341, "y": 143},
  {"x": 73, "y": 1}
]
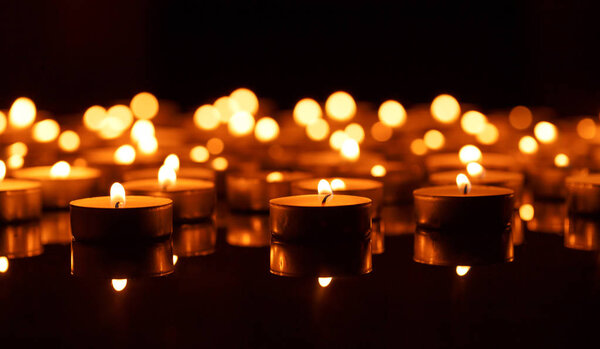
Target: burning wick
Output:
[
  {"x": 324, "y": 188},
  {"x": 117, "y": 195},
  {"x": 463, "y": 183}
]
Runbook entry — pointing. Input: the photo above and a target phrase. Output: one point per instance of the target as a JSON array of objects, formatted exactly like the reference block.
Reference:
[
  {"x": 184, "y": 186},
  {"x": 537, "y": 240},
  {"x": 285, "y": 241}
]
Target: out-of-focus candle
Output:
[{"x": 19, "y": 199}]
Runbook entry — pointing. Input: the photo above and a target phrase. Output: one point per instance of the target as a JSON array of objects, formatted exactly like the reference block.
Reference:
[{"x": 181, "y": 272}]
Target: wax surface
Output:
[
  {"x": 43, "y": 173},
  {"x": 182, "y": 184},
  {"x": 132, "y": 202},
  {"x": 315, "y": 200},
  {"x": 453, "y": 191},
  {"x": 15, "y": 184}
]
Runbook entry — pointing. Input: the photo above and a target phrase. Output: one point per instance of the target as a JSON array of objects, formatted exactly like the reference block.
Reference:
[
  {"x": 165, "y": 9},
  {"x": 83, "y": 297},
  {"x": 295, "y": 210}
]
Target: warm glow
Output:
[
  {"x": 246, "y": 99},
  {"x": 350, "y": 150},
  {"x": 463, "y": 183},
  {"x": 142, "y": 129},
  {"x": 15, "y": 162},
  {"x": 111, "y": 127},
  {"x": 119, "y": 284},
  {"x": 307, "y": 111},
  {"x": 17, "y": 148},
  {"x": 215, "y": 146},
  {"x": 275, "y": 177},
  {"x": 3, "y": 122},
  {"x": 93, "y": 116},
  {"x": 475, "y": 170},
  {"x": 144, "y": 105},
  {"x": 392, "y": 114},
  {"x": 528, "y": 145},
  {"x": 45, "y": 131},
  {"x": 340, "y": 106},
  {"x": 226, "y": 107},
  {"x": 175, "y": 259},
  {"x": 241, "y": 123},
  {"x": 220, "y": 163},
  {"x": 378, "y": 171},
  {"x": 325, "y": 281},
  {"x": 124, "y": 155},
  {"x": 462, "y": 270},
  {"x": 469, "y": 153},
  {"x": 586, "y": 128},
  {"x": 172, "y": 161},
  {"x": 337, "y": 138},
  {"x": 561, "y": 160},
  {"x": 418, "y": 147},
  {"x": 445, "y": 108},
  {"x": 199, "y": 154},
  {"x": 3, "y": 264},
  {"x": 69, "y": 141},
  {"x": 266, "y": 130},
  {"x": 356, "y": 132},
  {"x": 381, "y": 132},
  {"x": 489, "y": 135},
  {"x": 323, "y": 188},
  {"x": 117, "y": 195},
  {"x": 148, "y": 145},
  {"x": 207, "y": 117},
  {"x": 123, "y": 113},
  {"x": 2, "y": 170},
  {"x": 520, "y": 117},
  {"x": 317, "y": 130},
  {"x": 545, "y": 132},
  {"x": 526, "y": 212},
  {"x": 22, "y": 113},
  {"x": 166, "y": 176},
  {"x": 473, "y": 122},
  {"x": 338, "y": 184},
  {"x": 60, "y": 169},
  {"x": 434, "y": 139}
]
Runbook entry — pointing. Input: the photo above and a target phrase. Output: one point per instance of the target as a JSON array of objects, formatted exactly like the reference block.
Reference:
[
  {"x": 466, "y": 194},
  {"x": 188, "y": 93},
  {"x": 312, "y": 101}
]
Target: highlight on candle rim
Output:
[
  {"x": 119, "y": 284},
  {"x": 391, "y": 113},
  {"x": 526, "y": 212},
  {"x": 434, "y": 139},
  {"x": 469, "y": 153},
  {"x": 199, "y": 153},
  {"x": 207, "y": 117},
  {"x": 350, "y": 149},
  {"x": 418, "y": 147},
  {"x": 561, "y": 160},
  {"x": 144, "y": 105},
  {"x": 3, "y": 264},
  {"x": 69, "y": 141},
  {"x": 22, "y": 113},
  {"x": 215, "y": 145},
  {"x": 61, "y": 169},
  {"x": 325, "y": 281},
  {"x": 307, "y": 111},
  {"x": 520, "y": 117},
  {"x": 275, "y": 176},
  {"x": 2, "y": 170},
  {"x": 124, "y": 155},
  {"x": 45, "y": 131},
  {"x": 117, "y": 195},
  {"x": 172, "y": 161},
  {"x": 340, "y": 106},
  {"x": 317, "y": 130},
  {"x": 586, "y": 128},
  {"x": 381, "y": 132},
  {"x": 473, "y": 122},
  {"x": 462, "y": 270},
  {"x": 246, "y": 99},
  {"x": 166, "y": 176},
  {"x": 241, "y": 124},
  {"x": 445, "y": 109},
  {"x": 528, "y": 145},
  {"x": 266, "y": 129},
  {"x": 338, "y": 184},
  {"x": 355, "y": 131},
  {"x": 463, "y": 183},
  {"x": 378, "y": 171},
  {"x": 545, "y": 132},
  {"x": 475, "y": 170},
  {"x": 220, "y": 163}
]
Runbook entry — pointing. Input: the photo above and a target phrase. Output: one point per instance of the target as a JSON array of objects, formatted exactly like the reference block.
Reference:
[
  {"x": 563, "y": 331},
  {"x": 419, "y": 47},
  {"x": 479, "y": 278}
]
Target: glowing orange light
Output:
[
  {"x": 469, "y": 153},
  {"x": 111, "y": 127},
  {"x": 199, "y": 154},
  {"x": 355, "y": 131},
  {"x": 166, "y": 176},
  {"x": 418, "y": 147},
  {"x": 378, "y": 171},
  {"x": 207, "y": 117},
  {"x": 22, "y": 113},
  {"x": 119, "y": 284},
  {"x": 528, "y": 145},
  {"x": 307, "y": 111},
  {"x": 175, "y": 259},
  {"x": 215, "y": 146},
  {"x": 462, "y": 270},
  {"x": 246, "y": 99},
  {"x": 340, "y": 106},
  {"x": 475, "y": 170},
  {"x": 561, "y": 160},
  {"x": 123, "y": 113},
  {"x": 266, "y": 130},
  {"x": 463, "y": 183},
  {"x": 338, "y": 184},
  {"x": 227, "y": 107},
  {"x": 381, "y": 132},
  {"x": 142, "y": 129},
  {"x": 317, "y": 130},
  {"x": 3, "y": 122},
  {"x": 15, "y": 162},
  {"x": 325, "y": 281},
  {"x": 45, "y": 131},
  {"x": 586, "y": 128},
  {"x": 323, "y": 188},
  {"x": 124, "y": 155},
  {"x": 489, "y": 135},
  {"x": 545, "y": 132},
  {"x": 69, "y": 141},
  {"x": 2, "y": 170},
  {"x": 148, "y": 145},
  {"x": 117, "y": 195},
  {"x": 144, "y": 105},
  {"x": 93, "y": 116},
  {"x": 3, "y": 264},
  {"x": 275, "y": 177},
  {"x": 434, "y": 139},
  {"x": 241, "y": 124},
  {"x": 526, "y": 212},
  {"x": 392, "y": 114},
  {"x": 220, "y": 163},
  {"x": 445, "y": 109},
  {"x": 350, "y": 149},
  {"x": 520, "y": 117},
  {"x": 17, "y": 148},
  {"x": 337, "y": 138},
  {"x": 172, "y": 161},
  {"x": 61, "y": 169},
  {"x": 473, "y": 122}
]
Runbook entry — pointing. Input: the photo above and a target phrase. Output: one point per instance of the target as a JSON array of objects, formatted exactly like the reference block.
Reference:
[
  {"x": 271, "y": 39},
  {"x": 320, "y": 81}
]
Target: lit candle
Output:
[
  {"x": 120, "y": 217},
  {"x": 62, "y": 183},
  {"x": 321, "y": 235},
  {"x": 19, "y": 199},
  {"x": 583, "y": 195}
]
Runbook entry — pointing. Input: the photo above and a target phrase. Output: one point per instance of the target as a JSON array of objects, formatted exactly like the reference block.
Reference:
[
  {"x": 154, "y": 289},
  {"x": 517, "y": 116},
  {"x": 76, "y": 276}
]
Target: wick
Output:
[
  {"x": 465, "y": 189},
  {"x": 117, "y": 204},
  {"x": 325, "y": 199}
]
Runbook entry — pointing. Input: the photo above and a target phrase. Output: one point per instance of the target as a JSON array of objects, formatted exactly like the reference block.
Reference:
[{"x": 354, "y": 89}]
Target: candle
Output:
[
  {"x": 581, "y": 233},
  {"x": 120, "y": 217},
  {"x": 19, "y": 199},
  {"x": 252, "y": 191},
  {"x": 21, "y": 240},
  {"x": 62, "y": 183},
  {"x": 467, "y": 225},
  {"x": 193, "y": 199},
  {"x": 583, "y": 194},
  {"x": 321, "y": 235},
  {"x": 194, "y": 239}
]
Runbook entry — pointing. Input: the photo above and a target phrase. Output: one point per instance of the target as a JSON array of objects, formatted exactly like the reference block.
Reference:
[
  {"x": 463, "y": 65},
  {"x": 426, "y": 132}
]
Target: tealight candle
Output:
[
  {"x": 582, "y": 233},
  {"x": 320, "y": 235},
  {"x": 62, "y": 183},
  {"x": 193, "y": 199},
  {"x": 20, "y": 200},
  {"x": 120, "y": 217},
  {"x": 583, "y": 194}
]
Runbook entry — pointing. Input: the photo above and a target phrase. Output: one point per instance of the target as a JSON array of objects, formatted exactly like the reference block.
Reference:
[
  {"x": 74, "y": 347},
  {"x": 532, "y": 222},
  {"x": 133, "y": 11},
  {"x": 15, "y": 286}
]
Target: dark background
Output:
[{"x": 68, "y": 55}]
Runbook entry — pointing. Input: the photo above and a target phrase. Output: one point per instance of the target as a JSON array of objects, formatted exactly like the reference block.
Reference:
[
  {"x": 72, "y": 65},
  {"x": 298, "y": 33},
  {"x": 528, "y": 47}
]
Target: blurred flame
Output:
[
  {"x": 227, "y": 107},
  {"x": 469, "y": 153},
  {"x": 520, "y": 117},
  {"x": 17, "y": 148},
  {"x": 489, "y": 135},
  {"x": 142, "y": 129},
  {"x": 340, "y": 106},
  {"x": 381, "y": 132},
  {"x": 526, "y": 212},
  {"x": 350, "y": 149},
  {"x": 241, "y": 124},
  {"x": 338, "y": 184},
  {"x": 22, "y": 113},
  {"x": 473, "y": 122},
  {"x": 175, "y": 259},
  {"x": 356, "y": 132},
  {"x": 2, "y": 170},
  {"x": 275, "y": 177},
  {"x": 378, "y": 171},
  {"x": 418, "y": 147},
  {"x": 166, "y": 176},
  {"x": 220, "y": 164},
  {"x": 15, "y": 162},
  {"x": 117, "y": 195},
  {"x": 586, "y": 128},
  {"x": 119, "y": 284},
  {"x": 144, "y": 105},
  {"x": 45, "y": 131},
  {"x": 323, "y": 188},
  {"x": 207, "y": 117},
  {"x": 3, "y": 264},
  {"x": 69, "y": 141},
  {"x": 317, "y": 130},
  {"x": 199, "y": 154},
  {"x": 475, "y": 170},
  {"x": 462, "y": 270},
  {"x": 561, "y": 160},
  {"x": 93, "y": 117},
  {"x": 434, "y": 139},
  {"x": 392, "y": 114},
  {"x": 266, "y": 129},
  {"x": 246, "y": 99},
  {"x": 215, "y": 146},
  {"x": 545, "y": 132},
  {"x": 463, "y": 183},
  {"x": 123, "y": 114},
  {"x": 3, "y": 122},
  {"x": 148, "y": 145},
  {"x": 528, "y": 145},
  {"x": 307, "y": 111},
  {"x": 61, "y": 169},
  {"x": 445, "y": 108},
  {"x": 325, "y": 281},
  {"x": 172, "y": 161},
  {"x": 124, "y": 155}
]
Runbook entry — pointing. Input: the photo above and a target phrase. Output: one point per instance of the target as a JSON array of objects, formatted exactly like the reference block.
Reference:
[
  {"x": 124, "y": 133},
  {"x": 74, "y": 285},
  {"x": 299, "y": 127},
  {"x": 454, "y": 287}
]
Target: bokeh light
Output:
[
  {"x": 340, "y": 106},
  {"x": 17, "y": 148},
  {"x": 520, "y": 117},
  {"x": 528, "y": 145},
  {"x": 307, "y": 111},
  {"x": 124, "y": 155},
  {"x": 434, "y": 139},
  {"x": 337, "y": 138},
  {"x": 445, "y": 109},
  {"x": 15, "y": 162},
  {"x": 489, "y": 135},
  {"x": 241, "y": 124},
  {"x": 469, "y": 153},
  {"x": 199, "y": 154},
  {"x": 418, "y": 147},
  {"x": 22, "y": 113},
  {"x": 215, "y": 145},
  {"x": 545, "y": 132},
  {"x": 586, "y": 128},
  {"x": 144, "y": 105},
  {"x": 318, "y": 130},
  {"x": 147, "y": 145},
  {"x": 526, "y": 212},
  {"x": 392, "y": 114},
  {"x": 246, "y": 99},
  {"x": 69, "y": 141},
  {"x": 3, "y": 122},
  {"x": 350, "y": 149},
  {"x": 378, "y": 171},
  {"x": 142, "y": 129},
  {"x": 227, "y": 107},
  {"x": 93, "y": 116},
  {"x": 45, "y": 131},
  {"x": 381, "y": 132},
  {"x": 220, "y": 163},
  {"x": 473, "y": 122},
  {"x": 266, "y": 130},
  {"x": 561, "y": 160},
  {"x": 356, "y": 132},
  {"x": 207, "y": 117}
]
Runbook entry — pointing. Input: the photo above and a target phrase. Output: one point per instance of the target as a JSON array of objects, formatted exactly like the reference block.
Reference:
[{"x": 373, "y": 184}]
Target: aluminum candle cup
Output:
[
  {"x": 20, "y": 200},
  {"x": 194, "y": 239},
  {"x": 193, "y": 199},
  {"x": 21, "y": 240},
  {"x": 252, "y": 191},
  {"x": 80, "y": 182},
  {"x": 142, "y": 217},
  {"x": 320, "y": 235},
  {"x": 454, "y": 228}
]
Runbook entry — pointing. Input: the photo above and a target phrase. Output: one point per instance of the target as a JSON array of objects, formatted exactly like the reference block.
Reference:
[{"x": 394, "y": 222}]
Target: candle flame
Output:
[
  {"x": 124, "y": 155},
  {"x": 338, "y": 184},
  {"x": 528, "y": 145},
  {"x": 325, "y": 281},
  {"x": 119, "y": 284},
  {"x": 275, "y": 177},
  {"x": 172, "y": 161},
  {"x": 463, "y": 183},
  {"x": 117, "y": 195},
  {"x": 469, "y": 153},
  {"x": 324, "y": 188},
  {"x": 166, "y": 176},
  {"x": 526, "y": 212},
  {"x": 350, "y": 149},
  {"x": 22, "y": 113},
  {"x": 175, "y": 259},
  {"x": 2, "y": 170},
  {"x": 378, "y": 171},
  {"x": 561, "y": 160},
  {"x": 61, "y": 169},
  {"x": 3, "y": 264},
  {"x": 462, "y": 270},
  {"x": 545, "y": 132},
  {"x": 475, "y": 170}
]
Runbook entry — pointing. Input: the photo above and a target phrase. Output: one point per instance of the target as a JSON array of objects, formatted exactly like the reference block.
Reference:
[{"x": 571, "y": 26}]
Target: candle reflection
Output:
[
  {"x": 119, "y": 284},
  {"x": 325, "y": 281},
  {"x": 248, "y": 230},
  {"x": 194, "y": 239}
]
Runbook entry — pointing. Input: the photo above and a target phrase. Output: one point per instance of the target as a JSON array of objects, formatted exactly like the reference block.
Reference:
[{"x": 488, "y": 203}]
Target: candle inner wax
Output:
[{"x": 316, "y": 200}]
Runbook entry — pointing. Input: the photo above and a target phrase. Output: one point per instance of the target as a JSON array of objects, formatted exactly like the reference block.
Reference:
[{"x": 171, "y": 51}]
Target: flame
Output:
[
  {"x": 545, "y": 132},
  {"x": 22, "y": 113},
  {"x": 462, "y": 270},
  {"x": 445, "y": 109},
  {"x": 350, "y": 149},
  {"x": 469, "y": 153},
  {"x": 69, "y": 141},
  {"x": 526, "y": 212},
  {"x": 561, "y": 160},
  {"x": 207, "y": 117},
  {"x": 338, "y": 184},
  {"x": 124, "y": 155},
  {"x": 144, "y": 105},
  {"x": 241, "y": 124},
  {"x": 378, "y": 171},
  {"x": 2, "y": 170},
  {"x": 317, "y": 130},
  {"x": 307, "y": 111},
  {"x": 142, "y": 129},
  {"x": 434, "y": 139},
  {"x": 266, "y": 130},
  {"x": 391, "y": 113},
  {"x": 463, "y": 183},
  {"x": 475, "y": 170},
  {"x": 246, "y": 99},
  {"x": 473, "y": 122},
  {"x": 528, "y": 145},
  {"x": 325, "y": 281},
  {"x": 3, "y": 264},
  {"x": 117, "y": 195},
  {"x": 275, "y": 177},
  {"x": 220, "y": 163},
  {"x": 324, "y": 188},
  {"x": 166, "y": 176},
  {"x": 172, "y": 161},
  {"x": 119, "y": 284},
  {"x": 340, "y": 106},
  {"x": 199, "y": 153},
  {"x": 60, "y": 169},
  {"x": 175, "y": 259},
  {"x": 15, "y": 162}
]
